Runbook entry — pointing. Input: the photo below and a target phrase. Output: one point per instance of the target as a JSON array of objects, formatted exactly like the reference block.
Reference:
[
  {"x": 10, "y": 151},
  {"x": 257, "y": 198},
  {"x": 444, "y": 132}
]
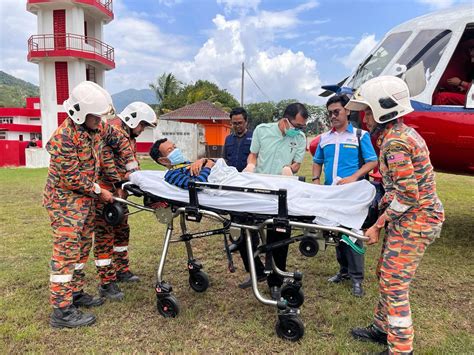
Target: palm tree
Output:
[{"x": 166, "y": 85}]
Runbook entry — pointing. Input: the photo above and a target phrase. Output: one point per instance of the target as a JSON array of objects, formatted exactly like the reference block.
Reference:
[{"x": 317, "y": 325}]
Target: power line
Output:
[{"x": 258, "y": 87}]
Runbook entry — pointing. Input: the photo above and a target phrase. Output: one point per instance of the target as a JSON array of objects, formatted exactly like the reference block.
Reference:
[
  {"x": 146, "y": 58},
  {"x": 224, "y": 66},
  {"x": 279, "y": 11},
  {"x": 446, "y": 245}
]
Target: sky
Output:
[{"x": 290, "y": 48}]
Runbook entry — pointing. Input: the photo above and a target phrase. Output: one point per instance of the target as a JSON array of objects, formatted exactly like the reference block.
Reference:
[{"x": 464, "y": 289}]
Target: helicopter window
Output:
[
  {"x": 378, "y": 60},
  {"x": 427, "y": 47}
]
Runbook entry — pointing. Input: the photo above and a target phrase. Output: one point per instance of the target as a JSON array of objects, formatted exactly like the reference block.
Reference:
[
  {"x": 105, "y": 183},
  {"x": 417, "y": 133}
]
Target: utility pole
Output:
[{"x": 242, "y": 88}]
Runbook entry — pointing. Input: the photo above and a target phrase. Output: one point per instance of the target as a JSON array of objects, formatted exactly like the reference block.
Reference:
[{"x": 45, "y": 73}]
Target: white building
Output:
[{"x": 68, "y": 49}]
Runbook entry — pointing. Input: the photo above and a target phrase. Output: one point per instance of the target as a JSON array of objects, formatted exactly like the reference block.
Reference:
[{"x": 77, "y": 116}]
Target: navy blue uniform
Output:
[
  {"x": 237, "y": 149},
  {"x": 236, "y": 152}
]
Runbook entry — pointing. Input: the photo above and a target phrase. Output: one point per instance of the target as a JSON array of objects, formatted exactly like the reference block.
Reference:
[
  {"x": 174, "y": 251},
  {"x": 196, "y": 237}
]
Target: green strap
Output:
[{"x": 357, "y": 249}]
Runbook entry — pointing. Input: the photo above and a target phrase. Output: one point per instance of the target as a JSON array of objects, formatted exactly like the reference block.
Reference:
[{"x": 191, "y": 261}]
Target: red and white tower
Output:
[{"x": 68, "y": 49}]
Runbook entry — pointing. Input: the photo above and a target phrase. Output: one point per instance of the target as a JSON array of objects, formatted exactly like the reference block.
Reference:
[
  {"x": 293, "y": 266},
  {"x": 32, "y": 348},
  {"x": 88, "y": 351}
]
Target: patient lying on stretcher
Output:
[
  {"x": 180, "y": 170},
  {"x": 343, "y": 204}
]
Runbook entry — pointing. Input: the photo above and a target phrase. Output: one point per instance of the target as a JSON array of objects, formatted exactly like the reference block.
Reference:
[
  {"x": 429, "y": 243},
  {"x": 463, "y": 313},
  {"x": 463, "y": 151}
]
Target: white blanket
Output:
[{"x": 345, "y": 205}]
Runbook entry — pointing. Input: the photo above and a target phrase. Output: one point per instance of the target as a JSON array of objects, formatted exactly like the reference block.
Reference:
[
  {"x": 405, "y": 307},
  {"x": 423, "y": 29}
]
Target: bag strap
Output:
[
  {"x": 359, "y": 134},
  {"x": 361, "y": 158}
]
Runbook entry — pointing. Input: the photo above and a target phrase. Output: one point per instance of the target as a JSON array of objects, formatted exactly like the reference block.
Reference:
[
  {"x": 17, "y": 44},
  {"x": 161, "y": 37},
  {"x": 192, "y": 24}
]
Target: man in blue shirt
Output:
[
  {"x": 237, "y": 144},
  {"x": 347, "y": 155},
  {"x": 236, "y": 152}
]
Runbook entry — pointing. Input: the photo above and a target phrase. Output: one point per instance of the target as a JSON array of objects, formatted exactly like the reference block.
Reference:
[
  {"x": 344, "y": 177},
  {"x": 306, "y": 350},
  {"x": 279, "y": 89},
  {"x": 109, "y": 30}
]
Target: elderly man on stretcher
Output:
[{"x": 344, "y": 205}]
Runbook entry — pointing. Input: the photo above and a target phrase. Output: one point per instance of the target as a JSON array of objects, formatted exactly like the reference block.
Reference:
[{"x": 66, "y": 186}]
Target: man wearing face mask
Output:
[
  {"x": 180, "y": 171},
  {"x": 347, "y": 155},
  {"x": 278, "y": 148},
  {"x": 111, "y": 242}
]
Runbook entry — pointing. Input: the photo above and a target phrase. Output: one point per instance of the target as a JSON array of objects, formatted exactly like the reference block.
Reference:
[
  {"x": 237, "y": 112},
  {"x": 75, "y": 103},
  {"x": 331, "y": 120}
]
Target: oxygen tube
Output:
[{"x": 348, "y": 241}]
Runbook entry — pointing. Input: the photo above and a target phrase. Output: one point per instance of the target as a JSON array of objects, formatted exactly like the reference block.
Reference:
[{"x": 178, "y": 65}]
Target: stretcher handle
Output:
[
  {"x": 320, "y": 227},
  {"x": 133, "y": 204}
]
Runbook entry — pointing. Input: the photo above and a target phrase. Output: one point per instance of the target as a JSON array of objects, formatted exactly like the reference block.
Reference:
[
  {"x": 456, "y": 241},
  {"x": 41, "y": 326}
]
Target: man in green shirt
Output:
[{"x": 278, "y": 148}]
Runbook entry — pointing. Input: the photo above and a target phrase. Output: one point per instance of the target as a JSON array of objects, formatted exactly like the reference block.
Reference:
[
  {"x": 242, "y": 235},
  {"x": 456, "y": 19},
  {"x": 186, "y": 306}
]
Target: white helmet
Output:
[
  {"x": 137, "y": 112},
  {"x": 88, "y": 98},
  {"x": 387, "y": 96}
]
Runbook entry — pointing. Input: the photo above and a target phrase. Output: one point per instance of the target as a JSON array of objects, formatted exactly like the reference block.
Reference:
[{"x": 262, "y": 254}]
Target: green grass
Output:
[{"x": 225, "y": 318}]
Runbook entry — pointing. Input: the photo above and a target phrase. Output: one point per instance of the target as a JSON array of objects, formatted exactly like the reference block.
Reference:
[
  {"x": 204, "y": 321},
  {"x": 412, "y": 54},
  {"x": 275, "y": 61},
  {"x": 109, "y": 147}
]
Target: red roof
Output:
[{"x": 202, "y": 110}]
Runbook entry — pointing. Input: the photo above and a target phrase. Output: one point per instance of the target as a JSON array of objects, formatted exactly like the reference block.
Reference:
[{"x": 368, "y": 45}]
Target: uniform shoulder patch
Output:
[{"x": 395, "y": 158}]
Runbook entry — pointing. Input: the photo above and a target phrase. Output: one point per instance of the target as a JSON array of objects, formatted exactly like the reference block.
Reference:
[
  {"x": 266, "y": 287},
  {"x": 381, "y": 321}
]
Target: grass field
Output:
[{"x": 225, "y": 318}]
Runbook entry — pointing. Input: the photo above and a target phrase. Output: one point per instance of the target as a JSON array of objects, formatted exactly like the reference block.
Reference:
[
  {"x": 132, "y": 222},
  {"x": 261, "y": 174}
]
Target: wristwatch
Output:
[
  {"x": 97, "y": 189},
  {"x": 315, "y": 178}
]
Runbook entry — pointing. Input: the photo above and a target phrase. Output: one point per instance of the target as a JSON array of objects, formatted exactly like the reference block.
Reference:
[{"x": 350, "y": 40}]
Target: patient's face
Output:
[{"x": 166, "y": 148}]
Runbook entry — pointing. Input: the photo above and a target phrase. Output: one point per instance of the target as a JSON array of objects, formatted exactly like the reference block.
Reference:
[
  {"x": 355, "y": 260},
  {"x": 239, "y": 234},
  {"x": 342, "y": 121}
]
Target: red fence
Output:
[
  {"x": 12, "y": 153},
  {"x": 69, "y": 41}
]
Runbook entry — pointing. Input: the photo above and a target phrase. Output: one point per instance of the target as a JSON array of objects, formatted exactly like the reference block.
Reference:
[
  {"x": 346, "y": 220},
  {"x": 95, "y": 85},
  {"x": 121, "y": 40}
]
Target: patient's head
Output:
[{"x": 165, "y": 153}]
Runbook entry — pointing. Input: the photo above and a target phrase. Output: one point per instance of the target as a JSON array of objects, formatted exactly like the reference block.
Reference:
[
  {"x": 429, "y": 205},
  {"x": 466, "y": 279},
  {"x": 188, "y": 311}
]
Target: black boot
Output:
[
  {"x": 127, "y": 276},
  {"x": 111, "y": 291},
  {"x": 70, "y": 317},
  {"x": 357, "y": 289},
  {"x": 371, "y": 333},
  {"x": 82, "y": 299},
  {"x": 339, "y": 278}
]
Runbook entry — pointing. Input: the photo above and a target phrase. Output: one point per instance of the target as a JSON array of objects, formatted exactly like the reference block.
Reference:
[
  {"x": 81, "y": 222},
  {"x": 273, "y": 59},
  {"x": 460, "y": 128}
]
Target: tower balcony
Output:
[
  {"x": 70, "y": 45},
  {"x": 103, "y": 8}
]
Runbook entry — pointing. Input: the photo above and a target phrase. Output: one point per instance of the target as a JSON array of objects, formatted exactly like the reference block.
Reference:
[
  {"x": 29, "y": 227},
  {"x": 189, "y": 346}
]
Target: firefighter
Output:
[
  {"x": 412, "y": 212},
  {"x": 111, "y": 242},
  {"x": 70, "y": 191}
]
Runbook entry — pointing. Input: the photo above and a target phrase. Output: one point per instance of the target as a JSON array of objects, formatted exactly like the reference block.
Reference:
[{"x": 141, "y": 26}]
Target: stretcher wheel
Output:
[
  {"x": 199, "y": 281},
  {"x": 113, "y": 213},
  {"x": 168, "y": 306},
  {"x": 293, "y": 295},
  {"x": 309, "y": 247},
  {"x": 290, "y": 328}
]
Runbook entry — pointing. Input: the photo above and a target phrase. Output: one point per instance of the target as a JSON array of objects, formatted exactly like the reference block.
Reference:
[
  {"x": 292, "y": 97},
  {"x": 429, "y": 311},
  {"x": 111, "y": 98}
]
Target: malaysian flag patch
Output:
[{"x": 394, "y": 158}]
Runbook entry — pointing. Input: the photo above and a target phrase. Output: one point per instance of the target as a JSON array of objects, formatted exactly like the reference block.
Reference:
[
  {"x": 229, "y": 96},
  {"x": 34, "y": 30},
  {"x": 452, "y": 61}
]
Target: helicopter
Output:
[{"x": 426, "y": 52}]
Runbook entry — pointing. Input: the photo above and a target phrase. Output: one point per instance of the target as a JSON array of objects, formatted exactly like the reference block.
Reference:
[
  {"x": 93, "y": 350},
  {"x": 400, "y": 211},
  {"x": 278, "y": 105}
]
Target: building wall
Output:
[{"x": 187, "y": 136}]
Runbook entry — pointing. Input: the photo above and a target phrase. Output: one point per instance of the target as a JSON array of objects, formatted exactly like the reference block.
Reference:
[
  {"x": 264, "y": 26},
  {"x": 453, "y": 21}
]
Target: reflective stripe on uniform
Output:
[
  {"x": 121, "y": 249},
  {"x": 79, "y": 266},
  {"x": 398, "y": 207},
  {"x": 132, "y": 165},
  {"x": 60, "y": 278},
  {"x": 103, "y": 262},
  {"x": 399, "y": 322}
]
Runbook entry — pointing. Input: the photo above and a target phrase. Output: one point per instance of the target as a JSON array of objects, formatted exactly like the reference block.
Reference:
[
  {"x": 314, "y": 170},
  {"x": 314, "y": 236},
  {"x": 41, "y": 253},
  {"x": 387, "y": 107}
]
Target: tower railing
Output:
[{"x": 69, "y": 41}]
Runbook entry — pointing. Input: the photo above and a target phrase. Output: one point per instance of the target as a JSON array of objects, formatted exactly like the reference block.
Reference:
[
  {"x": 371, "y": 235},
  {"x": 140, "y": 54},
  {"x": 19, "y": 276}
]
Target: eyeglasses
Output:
[
  {"x": 334, "y": 112},
  {"x": 298, "y": 127},
  {"x": 238, "y": 123}
]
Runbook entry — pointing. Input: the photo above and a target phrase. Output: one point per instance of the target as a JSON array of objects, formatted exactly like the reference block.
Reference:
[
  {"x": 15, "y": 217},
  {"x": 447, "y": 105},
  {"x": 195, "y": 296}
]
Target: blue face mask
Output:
[{"x": 176, "y": 157}]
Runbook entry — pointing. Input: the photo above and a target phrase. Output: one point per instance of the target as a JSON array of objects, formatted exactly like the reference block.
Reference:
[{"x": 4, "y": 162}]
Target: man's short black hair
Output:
[
  {"x": 343, "y": 99},
  {"x": 155, "y": 150},
  {"x": 238, "y": 111},
  {"x": 292, "y": 110}
]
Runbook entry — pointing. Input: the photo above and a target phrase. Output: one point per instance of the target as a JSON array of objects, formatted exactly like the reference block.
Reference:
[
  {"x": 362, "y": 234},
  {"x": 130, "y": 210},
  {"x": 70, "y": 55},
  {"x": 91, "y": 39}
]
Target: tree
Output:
[
  {"x": 199, "y": 91},
  {"x": 261, "y": 112},
  {"x": 167, "y": 85}
]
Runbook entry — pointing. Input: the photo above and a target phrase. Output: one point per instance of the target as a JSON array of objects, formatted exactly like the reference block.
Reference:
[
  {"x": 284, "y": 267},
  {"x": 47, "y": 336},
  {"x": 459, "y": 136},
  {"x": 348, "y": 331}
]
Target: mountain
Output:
[
  {"x": 13, "y": 91},
  {"x": 123, "y": 98}
]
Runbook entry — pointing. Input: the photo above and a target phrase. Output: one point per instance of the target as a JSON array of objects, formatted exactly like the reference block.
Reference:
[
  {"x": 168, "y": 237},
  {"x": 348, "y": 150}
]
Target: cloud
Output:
[
  {"x": 170, "y": 3},
  {"x": 359, "y": 52},
  {"x": 437, "y": 4},
  {"x": 280, "y": 72},
  {"x": 16, "y": 27},
  {"x": 240, "y": 6}
]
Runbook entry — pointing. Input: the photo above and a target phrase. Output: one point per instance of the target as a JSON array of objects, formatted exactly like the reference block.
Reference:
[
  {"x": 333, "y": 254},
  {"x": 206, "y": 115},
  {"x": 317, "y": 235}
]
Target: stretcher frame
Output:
[{"x": 289, "y": 325}]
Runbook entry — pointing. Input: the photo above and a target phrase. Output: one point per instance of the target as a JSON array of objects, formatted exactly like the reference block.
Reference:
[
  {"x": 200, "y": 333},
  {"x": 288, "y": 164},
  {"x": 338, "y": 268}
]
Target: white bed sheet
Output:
[{"x": 345, "y": 205}]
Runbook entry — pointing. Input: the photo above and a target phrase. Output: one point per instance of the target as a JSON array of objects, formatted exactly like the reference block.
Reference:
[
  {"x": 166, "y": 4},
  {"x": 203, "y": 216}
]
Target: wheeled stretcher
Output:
[{"x": 188, "y": 206}]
